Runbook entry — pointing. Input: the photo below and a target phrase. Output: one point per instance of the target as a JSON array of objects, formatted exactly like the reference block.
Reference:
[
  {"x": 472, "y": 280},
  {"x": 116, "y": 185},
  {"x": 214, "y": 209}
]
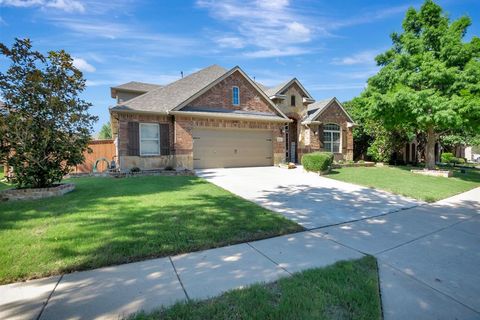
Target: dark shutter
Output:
[
  {"x": 164, "y": 139},
  {"x": 133, "y": 146}
]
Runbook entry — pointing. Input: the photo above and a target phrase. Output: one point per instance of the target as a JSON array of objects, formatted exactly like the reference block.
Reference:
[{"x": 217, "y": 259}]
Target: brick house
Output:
[{"x": 222, "y": 118}]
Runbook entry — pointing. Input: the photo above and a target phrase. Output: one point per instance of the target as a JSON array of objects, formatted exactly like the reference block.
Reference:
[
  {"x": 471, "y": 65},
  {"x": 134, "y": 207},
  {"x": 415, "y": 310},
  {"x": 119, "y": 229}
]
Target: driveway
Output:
[
  {"x": 306, "y": 198},
  {"x": 428, "y": 255}
]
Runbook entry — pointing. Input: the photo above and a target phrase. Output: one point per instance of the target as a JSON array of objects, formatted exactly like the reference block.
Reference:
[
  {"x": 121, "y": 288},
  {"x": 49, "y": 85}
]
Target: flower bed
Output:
[
  {"x": 354, "y": 164},
  {"x": 435, "y": 173},
  {"x": 36, "y": 193}
]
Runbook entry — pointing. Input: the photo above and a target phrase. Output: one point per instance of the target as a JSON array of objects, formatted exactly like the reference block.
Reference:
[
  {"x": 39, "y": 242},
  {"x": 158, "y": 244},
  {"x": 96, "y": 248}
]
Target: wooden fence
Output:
[{"x": 103, "y": 152}]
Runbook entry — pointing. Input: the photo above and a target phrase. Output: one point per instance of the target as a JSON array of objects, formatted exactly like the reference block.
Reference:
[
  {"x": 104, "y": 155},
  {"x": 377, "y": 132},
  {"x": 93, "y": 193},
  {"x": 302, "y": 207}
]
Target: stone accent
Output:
[
  {"x": 36, "y": 193},
  {"x": 356, "y": 164},
  {"x": 220, "y": 96},
  {"x": 435, "y": 173}
]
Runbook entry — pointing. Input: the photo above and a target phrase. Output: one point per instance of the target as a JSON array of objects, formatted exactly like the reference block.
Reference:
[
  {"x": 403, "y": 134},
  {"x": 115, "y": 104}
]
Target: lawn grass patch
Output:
[
  {"x": 400, "y": 180},
  {"x": 3, "y": 185},
  {"x": 107, "y": 221},
  {"x": 345, "y": 290}
]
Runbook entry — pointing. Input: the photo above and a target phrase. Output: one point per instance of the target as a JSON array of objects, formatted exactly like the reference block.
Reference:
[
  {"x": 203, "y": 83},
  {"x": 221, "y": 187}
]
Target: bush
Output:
[
  {"x": 135, "y": 170},
  {"x": 447, "y": 157},
  {"x": 317, "y": 161},
  {"x": 361, "y": 161}
]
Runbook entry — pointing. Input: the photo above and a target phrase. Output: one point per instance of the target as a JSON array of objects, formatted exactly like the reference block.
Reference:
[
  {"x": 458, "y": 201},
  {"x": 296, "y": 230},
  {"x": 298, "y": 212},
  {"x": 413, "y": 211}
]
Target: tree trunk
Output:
[{"x": 430, "y": 149}]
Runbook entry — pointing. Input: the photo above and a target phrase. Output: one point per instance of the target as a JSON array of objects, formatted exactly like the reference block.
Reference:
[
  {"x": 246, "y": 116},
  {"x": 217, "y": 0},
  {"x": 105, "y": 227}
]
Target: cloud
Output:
[
  {"x": 364, "y": 58},
  {"x": 266, "y": 27},
  {"x": 274, "y": 52},
  {"x": 83, "y": 65},
  {"x": 63, "y": 5},
  {"x": 334, "y": 86}
]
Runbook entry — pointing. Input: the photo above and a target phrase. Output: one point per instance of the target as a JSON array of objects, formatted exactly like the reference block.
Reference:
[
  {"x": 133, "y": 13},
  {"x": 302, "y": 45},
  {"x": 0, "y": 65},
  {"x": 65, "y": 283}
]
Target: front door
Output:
[{"x": 291, "y": 139}]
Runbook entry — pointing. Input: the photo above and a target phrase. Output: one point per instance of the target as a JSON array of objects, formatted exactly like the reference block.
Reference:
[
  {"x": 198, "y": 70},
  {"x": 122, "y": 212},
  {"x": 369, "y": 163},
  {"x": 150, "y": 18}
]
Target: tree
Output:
[
  {"x": 44, "y": 124},
  {"x": 105, "y": 131},
  {"x": 429, "y": 81}
]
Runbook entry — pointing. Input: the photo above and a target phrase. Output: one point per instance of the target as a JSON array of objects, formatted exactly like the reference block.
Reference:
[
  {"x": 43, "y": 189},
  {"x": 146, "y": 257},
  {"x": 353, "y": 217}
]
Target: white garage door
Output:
[{"x": 223, "y": 148}]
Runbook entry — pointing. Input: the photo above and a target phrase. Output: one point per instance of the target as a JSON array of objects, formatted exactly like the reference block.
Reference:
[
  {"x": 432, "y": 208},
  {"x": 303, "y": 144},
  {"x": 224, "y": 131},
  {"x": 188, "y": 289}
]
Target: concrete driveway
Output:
[{"x": 306, "y": 198}]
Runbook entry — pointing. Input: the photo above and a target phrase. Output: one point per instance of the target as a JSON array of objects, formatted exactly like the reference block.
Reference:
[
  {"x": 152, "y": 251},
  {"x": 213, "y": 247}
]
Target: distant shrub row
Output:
[{"x": 448, "y": 157}]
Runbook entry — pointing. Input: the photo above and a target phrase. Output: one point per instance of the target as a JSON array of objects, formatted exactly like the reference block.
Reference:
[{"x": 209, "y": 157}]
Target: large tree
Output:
[
  {"x": 105, "y": 131},
  {"x": 44, "y": 124},
  {"x": 429, "y": 81}
]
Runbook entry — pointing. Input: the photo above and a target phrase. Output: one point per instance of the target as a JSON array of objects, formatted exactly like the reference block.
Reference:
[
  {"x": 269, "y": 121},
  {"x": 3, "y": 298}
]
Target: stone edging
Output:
[
  {"x": 435, "y": 173},
  {"x": 36, "y": 193}
]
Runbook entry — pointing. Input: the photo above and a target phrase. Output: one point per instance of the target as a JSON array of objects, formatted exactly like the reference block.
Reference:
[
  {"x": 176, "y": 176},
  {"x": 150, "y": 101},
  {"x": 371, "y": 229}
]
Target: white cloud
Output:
[
  {"x": 64, "y": 5},
  {"x": 364, "y": 57},
  {"x": 230, "y": 42},
  {"x": 274, "y": 52},
  {"x": 83, "y": 65},
  {"x": 266, "y": 26}
]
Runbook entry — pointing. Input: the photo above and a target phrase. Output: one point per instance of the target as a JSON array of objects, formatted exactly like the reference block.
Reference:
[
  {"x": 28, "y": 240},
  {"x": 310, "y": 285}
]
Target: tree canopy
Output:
[
  {"x": 429, "y": 81},
  {"x": 44, "y": 124},
  {"x": 105, "y": 131}
]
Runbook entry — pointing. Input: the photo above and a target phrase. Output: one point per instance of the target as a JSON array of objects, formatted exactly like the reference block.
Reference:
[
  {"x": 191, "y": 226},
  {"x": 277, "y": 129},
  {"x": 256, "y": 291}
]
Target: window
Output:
[
  {"x": 149, "y": 139},
  {"x": 292, "y": 101},
  {"x": 331, "y": 138},
  {"x": 235, "y": 96}
]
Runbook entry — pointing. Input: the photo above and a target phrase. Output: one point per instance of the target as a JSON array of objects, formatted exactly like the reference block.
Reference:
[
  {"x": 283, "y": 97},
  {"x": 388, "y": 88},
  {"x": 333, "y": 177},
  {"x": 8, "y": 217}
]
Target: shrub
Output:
[
  {"x": 135, "y": 170},
  {"x": 361, "y": 161},
  {"x": 460, "y": 161},
  {"x": 447, "y": 157},
  {"x": 317, "y": 161}
]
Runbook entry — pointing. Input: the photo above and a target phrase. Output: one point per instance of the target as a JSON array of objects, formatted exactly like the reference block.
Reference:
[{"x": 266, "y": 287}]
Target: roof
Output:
[
  {"x": 274, "y": 90},
  {"x": 138, "y": 86},
  {"x": 316, "y": 108},
  {"x": 282, "y": 86},
  {"x": 134, "y": 86},
  {"x": 166, "y": 98}
]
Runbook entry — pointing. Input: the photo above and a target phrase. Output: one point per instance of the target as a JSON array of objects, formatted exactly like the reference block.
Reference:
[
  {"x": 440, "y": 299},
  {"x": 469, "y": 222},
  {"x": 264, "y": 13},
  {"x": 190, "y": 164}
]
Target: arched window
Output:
[{"x": 331, "y": 137}]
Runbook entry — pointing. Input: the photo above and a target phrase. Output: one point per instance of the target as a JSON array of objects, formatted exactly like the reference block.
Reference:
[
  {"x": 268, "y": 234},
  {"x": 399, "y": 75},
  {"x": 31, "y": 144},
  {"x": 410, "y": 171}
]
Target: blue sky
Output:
[{"x": 329, "y": 45}]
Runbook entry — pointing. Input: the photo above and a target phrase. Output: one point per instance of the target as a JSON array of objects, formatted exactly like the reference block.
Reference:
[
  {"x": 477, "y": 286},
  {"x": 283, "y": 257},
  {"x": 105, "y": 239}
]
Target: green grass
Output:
[
  {"x": 345, "y": 290},
  {"x": 107, "y": 221},
  {"x": 400, "y": 180},
  {"x": 3, "y": 184}
]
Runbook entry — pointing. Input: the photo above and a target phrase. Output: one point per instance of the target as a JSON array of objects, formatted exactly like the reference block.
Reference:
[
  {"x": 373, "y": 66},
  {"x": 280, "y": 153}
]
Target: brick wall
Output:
[{"x": 220, "y": 96}]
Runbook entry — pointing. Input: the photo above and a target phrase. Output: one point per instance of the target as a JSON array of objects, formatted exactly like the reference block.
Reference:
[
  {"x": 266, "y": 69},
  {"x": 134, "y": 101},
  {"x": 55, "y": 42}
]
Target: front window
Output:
[
  {"x": 292, "y": 101},
  {"x": 149, "y": 139},
  {"x": 331, "y": 138},
  {"x": 235, "y": 96}
]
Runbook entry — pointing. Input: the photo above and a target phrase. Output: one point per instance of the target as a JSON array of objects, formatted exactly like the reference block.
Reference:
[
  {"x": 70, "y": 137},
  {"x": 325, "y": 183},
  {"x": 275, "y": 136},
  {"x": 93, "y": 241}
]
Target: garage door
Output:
[{"x": 218, "y": 148}]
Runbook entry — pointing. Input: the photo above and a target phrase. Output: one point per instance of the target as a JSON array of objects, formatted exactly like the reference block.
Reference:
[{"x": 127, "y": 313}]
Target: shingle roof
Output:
[
  {"x": 316, "y": 108},
  {"x": 168, "y": 97},
  {"x": 274, "y": 90},
  {"x": 137, "y": 86}
]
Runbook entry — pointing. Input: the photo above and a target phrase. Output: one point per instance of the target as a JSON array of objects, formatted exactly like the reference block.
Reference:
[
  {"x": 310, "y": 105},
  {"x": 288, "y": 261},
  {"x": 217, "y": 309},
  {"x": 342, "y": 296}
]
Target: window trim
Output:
[
  {"x": 233, "y": 96},
  {"x": 331, "y": 138},
  {"x": 148, "y": 139}
]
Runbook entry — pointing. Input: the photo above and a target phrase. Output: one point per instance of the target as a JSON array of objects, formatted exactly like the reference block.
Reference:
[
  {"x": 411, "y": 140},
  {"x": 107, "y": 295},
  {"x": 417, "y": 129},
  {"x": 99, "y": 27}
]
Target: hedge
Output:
[{"x": 317, "y": 161}]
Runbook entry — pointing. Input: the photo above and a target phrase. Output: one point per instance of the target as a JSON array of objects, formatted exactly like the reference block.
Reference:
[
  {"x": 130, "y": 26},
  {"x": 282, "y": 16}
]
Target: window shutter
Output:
[
  {"x": 133, "y": 146},
  {"x": 164, "y": 139}
]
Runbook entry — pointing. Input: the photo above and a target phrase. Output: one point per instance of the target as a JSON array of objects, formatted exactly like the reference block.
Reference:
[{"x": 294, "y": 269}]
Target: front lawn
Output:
[
  {"x": 400, "y": 180},
  {"x": 345, "y": 290},
  {"x": 107, "y": 221}
]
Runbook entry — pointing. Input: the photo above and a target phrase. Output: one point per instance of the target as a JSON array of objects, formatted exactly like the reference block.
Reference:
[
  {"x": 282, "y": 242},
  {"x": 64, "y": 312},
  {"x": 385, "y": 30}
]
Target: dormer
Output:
[{"x": 291, "y": 97}]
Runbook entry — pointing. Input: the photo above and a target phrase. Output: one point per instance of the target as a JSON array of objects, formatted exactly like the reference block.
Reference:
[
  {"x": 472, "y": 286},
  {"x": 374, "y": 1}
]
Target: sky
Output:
[{"x": 329, "y": 46}]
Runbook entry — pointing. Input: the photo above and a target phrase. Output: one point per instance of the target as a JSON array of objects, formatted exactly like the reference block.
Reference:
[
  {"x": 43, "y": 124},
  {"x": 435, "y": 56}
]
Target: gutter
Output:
[{"x": 227, "y": 116}]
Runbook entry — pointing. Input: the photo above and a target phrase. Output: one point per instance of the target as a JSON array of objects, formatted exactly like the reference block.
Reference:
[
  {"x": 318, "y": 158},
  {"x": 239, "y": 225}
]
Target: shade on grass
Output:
[
  {"x": 400, "y": 180},
  {"x": 346, "y": 290},
  {"x": 107, "y": 221}
]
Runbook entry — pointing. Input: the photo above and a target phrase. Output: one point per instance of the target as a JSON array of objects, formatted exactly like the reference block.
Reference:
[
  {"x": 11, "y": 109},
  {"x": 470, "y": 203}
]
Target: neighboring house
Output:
[{"x": 222, "y": 118}]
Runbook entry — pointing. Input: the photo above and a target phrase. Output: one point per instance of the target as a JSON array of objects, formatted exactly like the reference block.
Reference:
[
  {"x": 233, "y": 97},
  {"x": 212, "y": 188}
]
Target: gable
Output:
[
  {"x": 219, "y": 96},
  {"x": 334, "y": 113}
]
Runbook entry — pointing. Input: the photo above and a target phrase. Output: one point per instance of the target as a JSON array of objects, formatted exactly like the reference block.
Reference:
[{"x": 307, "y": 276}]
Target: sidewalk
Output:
[
  {"x": 428, "y": 259},
  {"x": 113, "y": 292}
]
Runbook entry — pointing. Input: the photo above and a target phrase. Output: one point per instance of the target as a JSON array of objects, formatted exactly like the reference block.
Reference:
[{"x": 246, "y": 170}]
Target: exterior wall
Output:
[
  {"x": 185, "y": 125},
  {"x": 299, "y": 110},
  {"x": 127, "y": 162},
  {"x": 123, "y": 96},
  {"x": 333, "y": 114},
  {"x": 220, "y": 96}
]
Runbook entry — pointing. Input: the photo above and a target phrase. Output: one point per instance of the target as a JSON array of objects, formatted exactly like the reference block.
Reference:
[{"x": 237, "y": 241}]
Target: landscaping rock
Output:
[
  {"x": 435, "y": 173},
  {"x": 36, "y": 193}
]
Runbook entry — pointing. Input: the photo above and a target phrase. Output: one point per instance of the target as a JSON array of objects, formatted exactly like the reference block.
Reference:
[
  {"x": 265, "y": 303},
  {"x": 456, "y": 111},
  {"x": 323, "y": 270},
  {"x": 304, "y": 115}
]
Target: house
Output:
[{"x": 222, "y": 118}]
